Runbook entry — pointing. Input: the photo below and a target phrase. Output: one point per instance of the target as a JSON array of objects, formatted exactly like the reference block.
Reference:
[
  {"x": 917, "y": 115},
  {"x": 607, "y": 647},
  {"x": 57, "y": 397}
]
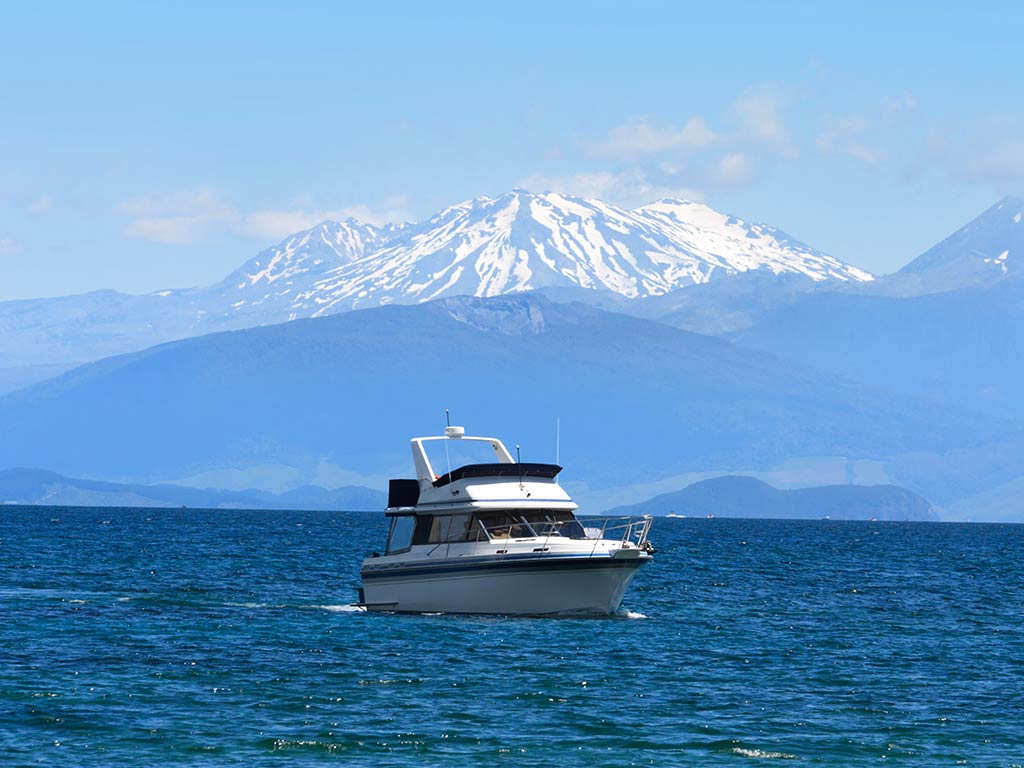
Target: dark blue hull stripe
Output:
[{"x": 526, "y": 564}]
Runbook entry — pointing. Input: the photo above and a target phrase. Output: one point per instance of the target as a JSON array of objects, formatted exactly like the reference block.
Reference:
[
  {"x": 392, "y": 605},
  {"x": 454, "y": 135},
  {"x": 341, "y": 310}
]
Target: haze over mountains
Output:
[
  {"x": 819, "y": 374},
  {"x": 484, "y": 247},
  {"x": 949, "y": 326}
]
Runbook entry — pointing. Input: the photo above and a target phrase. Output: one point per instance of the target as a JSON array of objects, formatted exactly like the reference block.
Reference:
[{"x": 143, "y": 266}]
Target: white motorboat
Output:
[{"x": 498, "y": 537}]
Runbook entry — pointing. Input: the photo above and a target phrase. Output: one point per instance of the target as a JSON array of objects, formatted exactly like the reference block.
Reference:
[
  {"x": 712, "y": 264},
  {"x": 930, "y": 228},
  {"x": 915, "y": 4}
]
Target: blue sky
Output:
[{"x": 144, "y": 148}]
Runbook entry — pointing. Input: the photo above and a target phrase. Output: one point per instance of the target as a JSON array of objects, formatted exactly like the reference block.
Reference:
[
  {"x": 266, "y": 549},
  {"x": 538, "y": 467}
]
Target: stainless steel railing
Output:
[{"x": 626, "y": 530}]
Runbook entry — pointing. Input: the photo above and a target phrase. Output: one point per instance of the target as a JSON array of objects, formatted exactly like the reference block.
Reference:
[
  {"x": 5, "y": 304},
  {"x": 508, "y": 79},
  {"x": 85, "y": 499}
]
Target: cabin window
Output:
[
  {"x": 452, "y": 529},
  {"x": 439, "y": 530},
  {"x": 551, "y": 522},
  {"x": 400, "y": 538},
  {"x": 504, "y": 525}
]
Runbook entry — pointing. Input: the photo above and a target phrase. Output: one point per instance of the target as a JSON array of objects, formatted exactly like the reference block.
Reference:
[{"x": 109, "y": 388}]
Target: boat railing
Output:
[{"x": 626, "y": 530}]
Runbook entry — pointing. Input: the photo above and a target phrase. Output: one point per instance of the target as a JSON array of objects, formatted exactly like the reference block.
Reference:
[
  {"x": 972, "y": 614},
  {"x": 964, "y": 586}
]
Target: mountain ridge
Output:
[
  {"x": 523, "y": 241},
  {"x": 513, "y": 242},
  {"x": 739, "y": 496},
  {"x": 985, "y": 251},
  {"x": 38, "y": 487}
]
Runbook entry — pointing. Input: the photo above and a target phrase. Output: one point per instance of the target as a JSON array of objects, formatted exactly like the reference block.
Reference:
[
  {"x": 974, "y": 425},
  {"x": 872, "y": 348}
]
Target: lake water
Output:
[{"x": 190, "y": 637}]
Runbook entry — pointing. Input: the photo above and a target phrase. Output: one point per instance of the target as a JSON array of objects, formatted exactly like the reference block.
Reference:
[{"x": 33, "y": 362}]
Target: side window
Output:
[
  {"x": 495, "y": 523},
  {"x": 461, "y": 529},
  {"x": 400, "y": 538},
  {"x": 450, "y": 528},
  {"x": 437, "y": 531}
]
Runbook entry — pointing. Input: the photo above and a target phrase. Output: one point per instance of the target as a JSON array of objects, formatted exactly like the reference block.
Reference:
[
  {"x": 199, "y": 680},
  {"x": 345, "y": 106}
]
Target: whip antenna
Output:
[{"x": 447, "y": 458}]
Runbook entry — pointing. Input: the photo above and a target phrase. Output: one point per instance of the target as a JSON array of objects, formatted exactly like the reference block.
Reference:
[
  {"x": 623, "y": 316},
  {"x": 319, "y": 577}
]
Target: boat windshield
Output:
[
  {"x": 516, "y": 524},
  {"x": 551, "y": 522}
]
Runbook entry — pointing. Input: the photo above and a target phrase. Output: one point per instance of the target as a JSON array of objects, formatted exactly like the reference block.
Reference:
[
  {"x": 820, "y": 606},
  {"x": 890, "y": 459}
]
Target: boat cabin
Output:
[{"x": 409, "y": 529}]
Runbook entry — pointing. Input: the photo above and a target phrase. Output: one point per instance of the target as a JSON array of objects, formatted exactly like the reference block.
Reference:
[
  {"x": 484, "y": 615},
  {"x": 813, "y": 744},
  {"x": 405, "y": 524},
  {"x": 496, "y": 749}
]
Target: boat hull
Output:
[{"x": 528, "y": 586}]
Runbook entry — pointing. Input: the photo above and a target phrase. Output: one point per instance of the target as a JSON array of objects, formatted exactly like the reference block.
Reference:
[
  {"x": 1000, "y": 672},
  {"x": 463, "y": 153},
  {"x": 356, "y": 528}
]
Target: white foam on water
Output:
[
  {"x": 350, "y": 608},
  {"x": 762, "y": 754},
  {"x": 627, "y": 614}
]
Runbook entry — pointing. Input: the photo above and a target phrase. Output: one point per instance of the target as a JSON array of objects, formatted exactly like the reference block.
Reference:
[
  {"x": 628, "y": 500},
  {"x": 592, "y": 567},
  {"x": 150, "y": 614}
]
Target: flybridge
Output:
[
  {"x": 493, "y": 483},
  {"x": 424, "y": 468}
]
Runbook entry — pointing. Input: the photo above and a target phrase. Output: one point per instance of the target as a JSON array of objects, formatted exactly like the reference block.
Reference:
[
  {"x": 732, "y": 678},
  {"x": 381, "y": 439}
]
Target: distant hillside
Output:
[
  {"x": 37, "y": 486},
  {"x": 734, "y": 496},
  {"x": 963, "y": 348},
  {"x": 639, "y": 401}
]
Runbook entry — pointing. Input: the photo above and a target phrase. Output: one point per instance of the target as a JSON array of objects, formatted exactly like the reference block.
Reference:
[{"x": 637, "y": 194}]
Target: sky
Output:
[{"x": 148, "y": 146}]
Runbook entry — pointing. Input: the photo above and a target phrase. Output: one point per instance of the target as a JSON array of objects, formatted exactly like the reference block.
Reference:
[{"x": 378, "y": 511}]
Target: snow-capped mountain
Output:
[
  {"x": 263, "y": 290},
  {"x": 522, "y": 241},
  {"x": 519, "y": 241},
  {"x": 989, "y": 249},
  {"x": 310, "y": 253}
]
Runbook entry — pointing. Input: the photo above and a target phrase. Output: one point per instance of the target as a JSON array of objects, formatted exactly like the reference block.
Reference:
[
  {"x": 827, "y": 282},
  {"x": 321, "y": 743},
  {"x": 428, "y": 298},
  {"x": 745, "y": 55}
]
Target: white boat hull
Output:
[{"x": 523, "y": 586}]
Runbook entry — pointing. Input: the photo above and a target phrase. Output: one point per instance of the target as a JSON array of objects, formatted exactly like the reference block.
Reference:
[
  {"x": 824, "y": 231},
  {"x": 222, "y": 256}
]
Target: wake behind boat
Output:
[{"x": 499, "y": 537}]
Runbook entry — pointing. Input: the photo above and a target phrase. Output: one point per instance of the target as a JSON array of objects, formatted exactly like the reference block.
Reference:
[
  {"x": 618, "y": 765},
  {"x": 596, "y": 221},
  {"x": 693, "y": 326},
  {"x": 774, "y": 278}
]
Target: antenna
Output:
[
  {"x": 447, "y": 458},
  {"x": 519, "y": 463}
]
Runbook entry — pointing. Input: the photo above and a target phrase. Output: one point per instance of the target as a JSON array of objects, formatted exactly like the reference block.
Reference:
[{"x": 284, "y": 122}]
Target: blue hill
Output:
[
  {"x": 40, "y": 487},
  {"x": 963, "y": 348},
  {"x": 750, "y": 497},
  {"x": 639, "y": 401}
]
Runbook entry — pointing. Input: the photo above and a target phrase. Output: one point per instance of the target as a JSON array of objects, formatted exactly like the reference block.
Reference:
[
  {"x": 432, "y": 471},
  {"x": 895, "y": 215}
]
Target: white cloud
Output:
[
  {"x": 42, "y": 205},
  {"x": 989, "y": 152},
  {"x": 845, "y": 136},
  {"x": 174, "y": 230},
  {"x": 998, "y": 161},
  {"x": 640, "y": 138},
  {"x": 683, "y": 161},
  {"x": 733, "y": 170},
  {"x": 7, "y": 246},
  {"x": 905, "y": 103},
  {"x": 180, "y": 217},
  {"x": 199, "y": 201},
  {"x": 188, "y": 216},
  {"x": 757, "y": 114},
  {"x": 278, "y": 223}
]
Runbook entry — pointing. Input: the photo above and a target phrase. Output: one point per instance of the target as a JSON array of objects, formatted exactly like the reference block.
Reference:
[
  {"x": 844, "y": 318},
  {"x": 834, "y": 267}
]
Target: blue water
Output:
[{"x": 189, "y": 637}]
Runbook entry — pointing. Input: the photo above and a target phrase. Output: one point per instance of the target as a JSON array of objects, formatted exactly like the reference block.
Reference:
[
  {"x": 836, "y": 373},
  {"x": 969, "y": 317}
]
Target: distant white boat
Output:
[{"x": 499, "y": 537}]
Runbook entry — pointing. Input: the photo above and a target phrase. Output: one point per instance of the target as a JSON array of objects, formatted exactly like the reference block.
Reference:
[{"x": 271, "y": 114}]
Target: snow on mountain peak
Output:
[
  {"x": 979, "y": 253},
  {"x": 316, "y": 250},
  {"x": 514, "y": 242}
]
